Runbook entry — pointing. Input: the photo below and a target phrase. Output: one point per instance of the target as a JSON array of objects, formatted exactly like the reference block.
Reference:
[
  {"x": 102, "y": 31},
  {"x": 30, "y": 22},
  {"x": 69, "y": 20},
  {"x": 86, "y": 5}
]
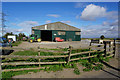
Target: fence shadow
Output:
[
  {"x": 111, "y": 73},
  {"x": 7, "y": 52},
  {"x": 109, "y": 65}
]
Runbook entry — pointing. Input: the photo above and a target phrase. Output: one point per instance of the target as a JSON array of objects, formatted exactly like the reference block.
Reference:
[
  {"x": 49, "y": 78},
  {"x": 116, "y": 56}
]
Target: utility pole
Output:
[{"x": 3, "y": 23}]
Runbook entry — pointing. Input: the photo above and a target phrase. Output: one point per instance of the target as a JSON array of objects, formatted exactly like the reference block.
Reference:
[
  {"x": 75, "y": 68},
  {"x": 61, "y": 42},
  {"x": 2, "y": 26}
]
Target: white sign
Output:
[{"x": 12, "y": 36}]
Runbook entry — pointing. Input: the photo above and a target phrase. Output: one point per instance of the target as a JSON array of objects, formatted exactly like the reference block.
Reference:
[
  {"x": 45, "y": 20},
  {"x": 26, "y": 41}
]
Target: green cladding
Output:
[
  {"x": 69, "y": 35},
  {"x": 37, "y": 32}
]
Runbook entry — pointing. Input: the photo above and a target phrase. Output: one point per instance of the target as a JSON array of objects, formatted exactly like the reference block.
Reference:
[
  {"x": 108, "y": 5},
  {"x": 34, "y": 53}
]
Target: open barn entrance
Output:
[{"x": 46, "y": 35}]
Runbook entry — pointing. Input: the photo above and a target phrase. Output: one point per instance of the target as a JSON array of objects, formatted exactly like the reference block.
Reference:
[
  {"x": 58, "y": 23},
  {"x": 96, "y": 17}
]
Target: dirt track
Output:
[{"x": 68, "y": 73}]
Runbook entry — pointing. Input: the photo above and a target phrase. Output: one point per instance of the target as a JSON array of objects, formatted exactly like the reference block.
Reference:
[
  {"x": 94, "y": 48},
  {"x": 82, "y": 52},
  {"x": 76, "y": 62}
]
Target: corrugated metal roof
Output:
[{"x": 56, "y": 26}]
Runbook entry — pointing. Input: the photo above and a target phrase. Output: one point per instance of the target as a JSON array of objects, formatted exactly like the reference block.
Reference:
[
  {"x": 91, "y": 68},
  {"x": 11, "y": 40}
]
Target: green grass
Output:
[
  {"x": 31, "y": 53},
  {"x": 16, "y": 43},
  {"x": 98, "y": 67},
  {"x": 48, "y": 68},
  {"x": 14, "y": 73},
  {"x": 65, "y": 49},
  {"x": 79, "y": 50},
  {"x": 87, "y": 63},
  {"x": 54, "y": 68},
  {"x": 18, "y": 67}
]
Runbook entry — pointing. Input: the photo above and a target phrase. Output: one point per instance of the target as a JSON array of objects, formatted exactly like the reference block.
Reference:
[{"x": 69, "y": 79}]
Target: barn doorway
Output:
[{"x": 46, "y": 35}]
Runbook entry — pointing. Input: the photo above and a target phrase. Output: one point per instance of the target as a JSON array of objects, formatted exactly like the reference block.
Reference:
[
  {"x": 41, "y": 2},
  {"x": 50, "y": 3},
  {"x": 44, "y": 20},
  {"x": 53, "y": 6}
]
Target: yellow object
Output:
[
  {"x": 31, "y": 41},
  {"x": 39, "y": 40}
]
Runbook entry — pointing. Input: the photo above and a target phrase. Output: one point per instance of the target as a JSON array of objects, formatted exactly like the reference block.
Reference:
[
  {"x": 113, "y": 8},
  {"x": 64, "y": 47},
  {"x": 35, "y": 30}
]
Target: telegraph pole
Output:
[{"x": 3, "y": 23}]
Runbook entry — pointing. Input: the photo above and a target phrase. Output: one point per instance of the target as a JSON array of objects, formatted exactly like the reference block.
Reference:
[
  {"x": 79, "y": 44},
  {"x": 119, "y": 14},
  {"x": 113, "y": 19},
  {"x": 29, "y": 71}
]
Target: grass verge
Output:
[{"x": 16, "y": 43}]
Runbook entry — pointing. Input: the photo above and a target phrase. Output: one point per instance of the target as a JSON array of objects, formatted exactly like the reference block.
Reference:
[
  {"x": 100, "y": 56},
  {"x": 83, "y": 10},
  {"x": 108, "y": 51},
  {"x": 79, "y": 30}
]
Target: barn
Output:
[{"x": 49, "y": 31}]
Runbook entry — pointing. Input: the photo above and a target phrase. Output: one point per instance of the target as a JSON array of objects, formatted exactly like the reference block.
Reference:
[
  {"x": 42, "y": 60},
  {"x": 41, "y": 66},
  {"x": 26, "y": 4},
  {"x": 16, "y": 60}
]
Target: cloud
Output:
[
  {"x": 24, "y": 27},
  {"x": 14, "y": 24},
  {"x": 19, "y": 30},
  {"x": 108, "y": 29},
  {"x": 66, "y": 21},
  {"x": 110, "y": 32},
  {"x": 105, "y": 23},
  {"x": 115, "y": 23},
  {"x": 15, "y": 31},
  {"x": 80, "y": 5},
  {"x": 53, "y": 15},
  {"x": 48, "y": 21},
  {"x": 91, "y": 12},
  {"x": 112, "y": 15},
  {"x": 27, "y": 23}
]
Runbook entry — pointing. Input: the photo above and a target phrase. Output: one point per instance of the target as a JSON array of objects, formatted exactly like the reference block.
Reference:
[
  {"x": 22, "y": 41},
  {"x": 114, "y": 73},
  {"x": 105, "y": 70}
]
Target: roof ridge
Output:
[{"x": 58, "y": 22}]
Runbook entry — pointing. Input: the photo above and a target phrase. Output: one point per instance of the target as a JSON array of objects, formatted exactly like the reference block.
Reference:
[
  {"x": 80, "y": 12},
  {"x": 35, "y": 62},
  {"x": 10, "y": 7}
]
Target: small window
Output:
[
  {"x": 77, "y": 33},
  {"x": 61, "y": 33}
]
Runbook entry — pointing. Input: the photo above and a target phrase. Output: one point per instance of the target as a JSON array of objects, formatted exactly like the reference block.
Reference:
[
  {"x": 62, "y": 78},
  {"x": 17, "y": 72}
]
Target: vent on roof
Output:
[{"x": 45, "y": 27}]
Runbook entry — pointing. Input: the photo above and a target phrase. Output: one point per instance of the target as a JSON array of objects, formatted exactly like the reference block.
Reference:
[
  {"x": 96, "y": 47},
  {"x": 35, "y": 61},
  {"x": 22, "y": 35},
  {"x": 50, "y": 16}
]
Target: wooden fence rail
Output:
[
  {"x": 42, "y": 50},
  {"x": 29, "y": 63},
  {"x": 68, "y": 56}
]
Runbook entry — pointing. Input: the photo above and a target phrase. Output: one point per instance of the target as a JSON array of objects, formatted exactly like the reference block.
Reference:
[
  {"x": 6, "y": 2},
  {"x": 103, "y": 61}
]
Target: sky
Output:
[{"x": 93, "y": 18}]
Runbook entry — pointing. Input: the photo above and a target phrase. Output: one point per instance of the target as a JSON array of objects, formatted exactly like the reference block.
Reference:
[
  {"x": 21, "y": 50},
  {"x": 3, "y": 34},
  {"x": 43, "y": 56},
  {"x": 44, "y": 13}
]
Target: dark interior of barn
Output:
[{"x": 46, "y": 35}]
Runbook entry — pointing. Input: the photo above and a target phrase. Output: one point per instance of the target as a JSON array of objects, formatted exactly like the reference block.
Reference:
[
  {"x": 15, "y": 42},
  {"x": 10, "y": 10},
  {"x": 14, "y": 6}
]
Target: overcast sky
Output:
[{"x": 94, "y": 19}]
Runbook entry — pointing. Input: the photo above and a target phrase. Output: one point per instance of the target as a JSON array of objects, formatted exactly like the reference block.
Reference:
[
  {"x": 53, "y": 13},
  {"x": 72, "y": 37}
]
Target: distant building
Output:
[
  {"x": 12, "y": 37},
  {"x": 48, "y": 32}
]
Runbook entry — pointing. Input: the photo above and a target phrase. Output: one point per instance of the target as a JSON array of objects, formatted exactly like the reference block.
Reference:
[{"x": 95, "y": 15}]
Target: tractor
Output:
[{"x": 34, "y": 38}]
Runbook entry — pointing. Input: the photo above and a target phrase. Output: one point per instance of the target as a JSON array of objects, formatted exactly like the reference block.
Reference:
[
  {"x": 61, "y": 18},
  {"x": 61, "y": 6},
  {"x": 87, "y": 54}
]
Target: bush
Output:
[
  {"x": 67, "y": 66},
  {"x": 94, "y": 60},
  {"x": 87, "y": 64},
  {"x": 74, "y": 65},
  {"x": 98, "y": 67},
  {"x": 87, "y": 69},
  {"x": 77, "y": 71},
  {"x": 54, "y": 68}
]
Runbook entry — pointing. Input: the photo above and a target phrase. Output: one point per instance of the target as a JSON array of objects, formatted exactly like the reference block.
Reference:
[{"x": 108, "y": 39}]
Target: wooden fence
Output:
[{"x": 68, "y": 54}]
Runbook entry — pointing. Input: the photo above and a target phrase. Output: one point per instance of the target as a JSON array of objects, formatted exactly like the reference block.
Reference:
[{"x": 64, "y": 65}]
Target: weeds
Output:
[
  {"x": 98, "y": 67},
  {"x": 54, "y": 68},
  {"x": 77, "y": 71},
  {"x": 14, "y": 73},
  {"x": 87, "y": 63}
]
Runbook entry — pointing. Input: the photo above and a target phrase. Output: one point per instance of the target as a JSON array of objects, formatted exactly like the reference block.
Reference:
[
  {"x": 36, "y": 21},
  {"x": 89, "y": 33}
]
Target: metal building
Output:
[{"x": 48, "y": 32}]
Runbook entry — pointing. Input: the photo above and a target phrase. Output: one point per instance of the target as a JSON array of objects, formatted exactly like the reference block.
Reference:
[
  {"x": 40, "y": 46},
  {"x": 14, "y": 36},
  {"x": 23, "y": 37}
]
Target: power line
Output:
[{"x": 3, "y": 22}]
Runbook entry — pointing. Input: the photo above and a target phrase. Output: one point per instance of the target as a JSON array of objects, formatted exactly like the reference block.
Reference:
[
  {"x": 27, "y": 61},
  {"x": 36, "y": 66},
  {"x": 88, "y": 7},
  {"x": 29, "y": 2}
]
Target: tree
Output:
[
  {"x": 5, "y": 36},
  {"x": 21, "y": 35},
  {"x": 102, "y": 37}
]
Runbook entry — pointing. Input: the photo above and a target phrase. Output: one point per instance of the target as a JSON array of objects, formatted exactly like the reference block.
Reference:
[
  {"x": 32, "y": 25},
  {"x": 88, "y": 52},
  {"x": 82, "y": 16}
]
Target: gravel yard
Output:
[{"x": 51, "y": 45}]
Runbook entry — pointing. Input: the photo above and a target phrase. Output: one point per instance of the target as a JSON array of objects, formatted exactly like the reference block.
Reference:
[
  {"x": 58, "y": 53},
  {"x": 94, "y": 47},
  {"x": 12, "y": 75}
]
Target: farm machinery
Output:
[{"x": 34, "y": 38}]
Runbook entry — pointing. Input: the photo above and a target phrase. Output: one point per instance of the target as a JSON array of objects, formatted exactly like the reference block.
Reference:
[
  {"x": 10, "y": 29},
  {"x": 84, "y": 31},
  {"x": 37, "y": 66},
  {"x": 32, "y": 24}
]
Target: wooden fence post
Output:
[
  {"x": 105, "y": 47},
  {"x": 70, "y": 50},
  {"x": 114, "y": 48},
  {"x": 110, "y": 46},
  {"x": 39, "y": 55},
  {"x": 90, "y": 48}
]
